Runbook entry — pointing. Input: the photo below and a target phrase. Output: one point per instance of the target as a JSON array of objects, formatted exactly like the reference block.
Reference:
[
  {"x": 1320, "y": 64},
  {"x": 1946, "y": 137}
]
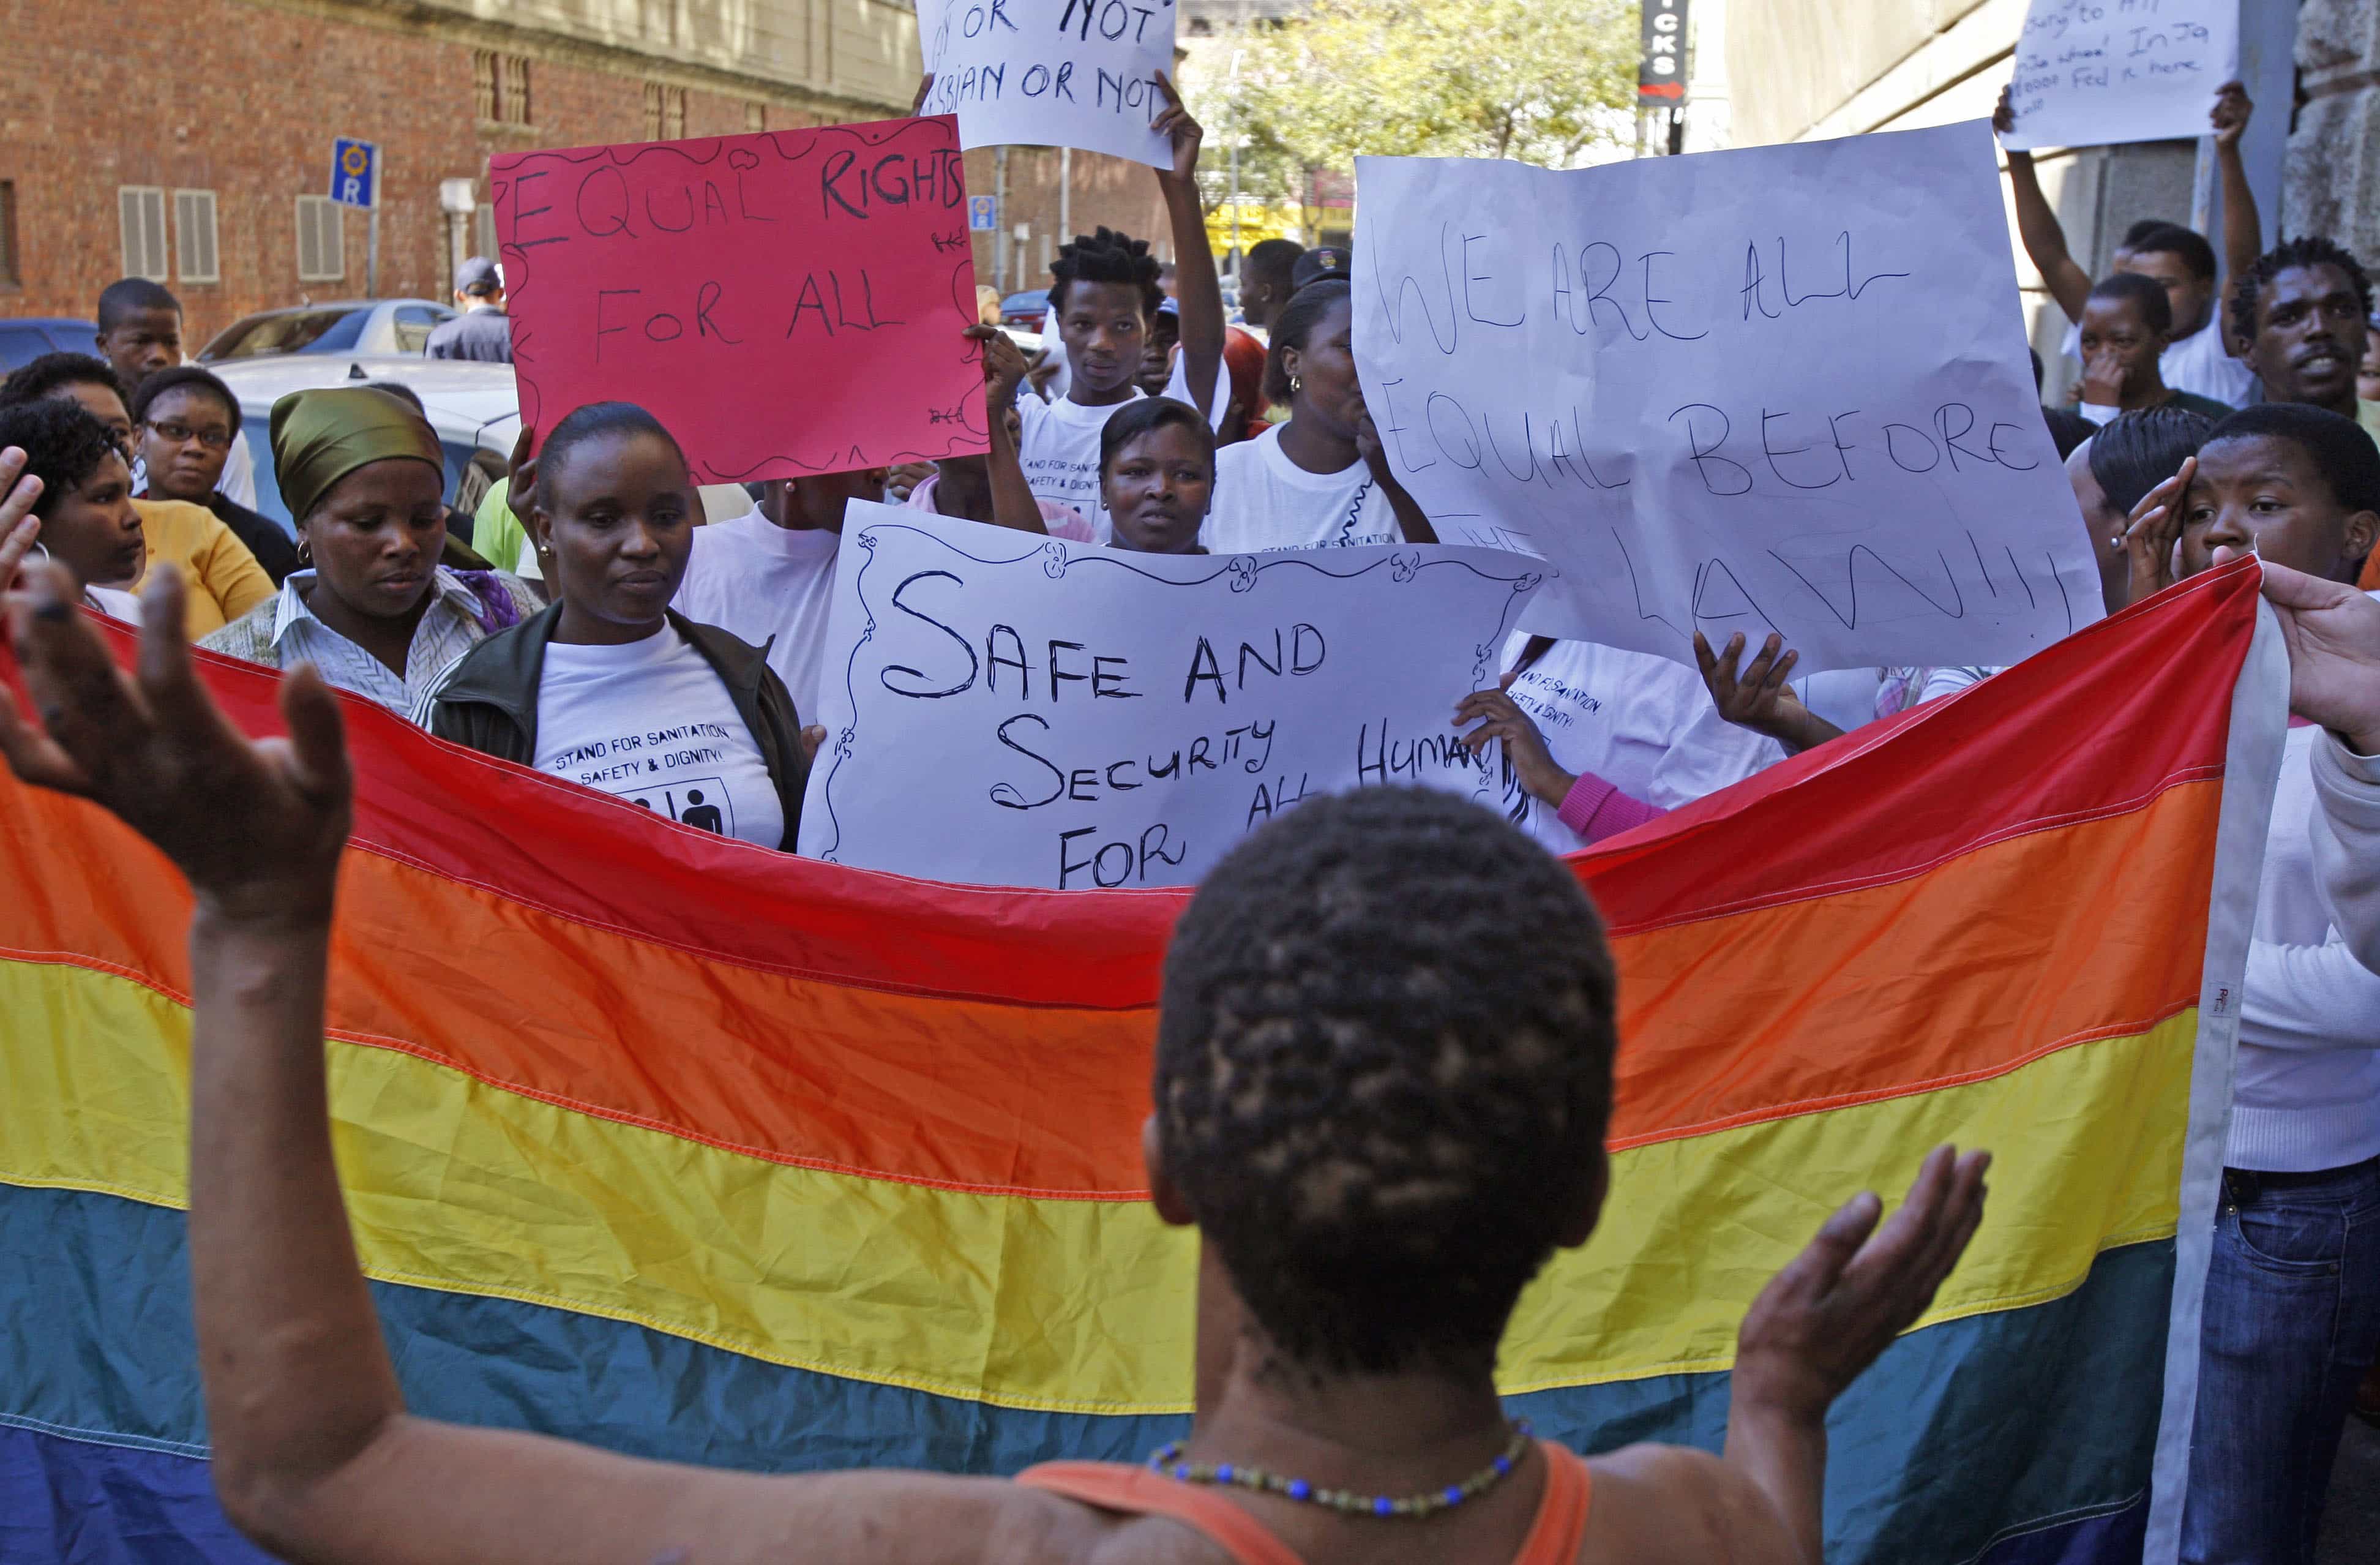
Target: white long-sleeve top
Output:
[
  {"x": 2346, "y": 833},
  {"x": 2306, "y": 1093}
]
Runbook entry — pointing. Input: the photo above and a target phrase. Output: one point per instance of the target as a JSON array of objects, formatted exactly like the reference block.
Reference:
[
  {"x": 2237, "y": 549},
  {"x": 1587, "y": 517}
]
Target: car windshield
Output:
[{"x": 289, "y": 331}]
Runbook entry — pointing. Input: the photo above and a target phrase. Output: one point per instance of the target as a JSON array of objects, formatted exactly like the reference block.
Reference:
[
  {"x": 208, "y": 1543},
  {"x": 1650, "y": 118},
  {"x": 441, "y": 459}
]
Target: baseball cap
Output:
[
  {"x": 1317, "y": 264},
  {"x": 478, "y": 275}
]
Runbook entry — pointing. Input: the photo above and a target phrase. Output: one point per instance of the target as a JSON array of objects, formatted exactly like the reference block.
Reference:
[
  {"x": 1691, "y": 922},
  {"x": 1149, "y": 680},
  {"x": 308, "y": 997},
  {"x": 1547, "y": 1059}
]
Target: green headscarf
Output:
[{"x": 319, "y": 437}]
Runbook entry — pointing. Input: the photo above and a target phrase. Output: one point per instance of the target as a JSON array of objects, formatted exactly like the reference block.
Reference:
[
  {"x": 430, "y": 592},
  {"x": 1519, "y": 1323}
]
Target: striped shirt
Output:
[{"x": 285, "y": 633}]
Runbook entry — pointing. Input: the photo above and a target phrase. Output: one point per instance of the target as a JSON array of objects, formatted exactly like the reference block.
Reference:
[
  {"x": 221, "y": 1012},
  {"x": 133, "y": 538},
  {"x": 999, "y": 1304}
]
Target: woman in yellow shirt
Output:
[
  {"x": 224, "y": 580},
  {"x": 223, "y": 577}
]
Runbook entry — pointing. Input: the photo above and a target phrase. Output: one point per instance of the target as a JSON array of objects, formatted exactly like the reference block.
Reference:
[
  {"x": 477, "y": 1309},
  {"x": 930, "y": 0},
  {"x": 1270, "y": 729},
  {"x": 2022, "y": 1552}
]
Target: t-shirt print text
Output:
[{"x": 655, "y": 769}]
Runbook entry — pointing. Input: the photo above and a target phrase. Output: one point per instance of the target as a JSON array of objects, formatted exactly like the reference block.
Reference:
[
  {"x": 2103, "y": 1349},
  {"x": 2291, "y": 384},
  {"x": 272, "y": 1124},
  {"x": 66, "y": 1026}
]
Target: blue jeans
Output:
[{"x": 2292, "y": 1321}]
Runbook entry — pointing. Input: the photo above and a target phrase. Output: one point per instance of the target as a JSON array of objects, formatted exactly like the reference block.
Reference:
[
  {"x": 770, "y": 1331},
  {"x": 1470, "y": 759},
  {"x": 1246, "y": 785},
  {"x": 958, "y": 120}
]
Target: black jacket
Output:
[
  {"x": 489, "y": 702},
  {"x": 485, "y": 334},
  {"x": 264, "y": 538}
]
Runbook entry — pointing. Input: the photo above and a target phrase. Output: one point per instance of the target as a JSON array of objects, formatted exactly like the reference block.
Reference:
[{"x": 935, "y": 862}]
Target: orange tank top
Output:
[{"x": 1553, "y": 1539}]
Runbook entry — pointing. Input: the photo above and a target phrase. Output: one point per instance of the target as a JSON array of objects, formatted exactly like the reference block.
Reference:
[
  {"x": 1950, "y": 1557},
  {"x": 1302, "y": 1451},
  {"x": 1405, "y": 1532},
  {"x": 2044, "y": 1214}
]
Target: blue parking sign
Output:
[
  {"x": 355, "y": 170},
  {"x": 983, "y": 213}
]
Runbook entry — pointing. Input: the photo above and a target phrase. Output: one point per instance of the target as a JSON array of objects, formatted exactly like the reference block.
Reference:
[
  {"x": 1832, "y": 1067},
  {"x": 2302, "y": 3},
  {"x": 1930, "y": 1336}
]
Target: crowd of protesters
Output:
[{"x": 2218, "y": 414}]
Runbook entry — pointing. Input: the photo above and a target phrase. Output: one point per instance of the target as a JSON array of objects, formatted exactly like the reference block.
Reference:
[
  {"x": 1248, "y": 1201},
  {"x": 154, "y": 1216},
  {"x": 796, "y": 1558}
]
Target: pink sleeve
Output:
[{"x": 1595, "y": 810}]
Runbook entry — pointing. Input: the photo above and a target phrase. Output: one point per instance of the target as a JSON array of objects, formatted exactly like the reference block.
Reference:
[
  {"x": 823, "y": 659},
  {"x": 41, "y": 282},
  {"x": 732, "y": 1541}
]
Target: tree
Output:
[{"x": 1543, "y": 81}]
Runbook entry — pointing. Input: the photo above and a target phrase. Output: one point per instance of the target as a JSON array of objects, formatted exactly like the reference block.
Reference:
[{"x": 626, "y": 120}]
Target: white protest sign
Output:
[
  {"x": 1052, "y": 73},
  {"x": 1003, "y": 709},
  {"x": 1782, "y": 388},
  {"x": 2089, "y": 73}
]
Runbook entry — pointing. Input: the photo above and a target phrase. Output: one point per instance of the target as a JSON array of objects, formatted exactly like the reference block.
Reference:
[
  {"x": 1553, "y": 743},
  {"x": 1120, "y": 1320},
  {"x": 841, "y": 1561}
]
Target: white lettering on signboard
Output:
[
  {"x": 1783, "y": 388},
  {"x": 1055, "y": 73},
  {"x": 2091, "y": 73},
  {"x": 1003, "y": 709}
]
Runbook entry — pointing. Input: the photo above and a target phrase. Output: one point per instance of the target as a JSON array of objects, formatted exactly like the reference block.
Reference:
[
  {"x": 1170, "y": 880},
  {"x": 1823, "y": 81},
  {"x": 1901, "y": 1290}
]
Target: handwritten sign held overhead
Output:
[
  {"x": 1053, "y": 73},
  {"x": 1783, "y": 388},
  {"x": 785, "y": 303},
  {"x": 2092, "y": 73},
  {"x": 1003, "y": 709}
]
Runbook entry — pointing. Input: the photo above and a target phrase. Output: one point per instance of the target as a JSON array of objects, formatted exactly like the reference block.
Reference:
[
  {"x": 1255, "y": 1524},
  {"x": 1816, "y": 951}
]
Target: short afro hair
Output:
[
  {"x": 2172, "y": 239},
  {"x": 129, "y": 296},
  {"x": 183, "y": 377},
  {"x": 47, "y": 375},
  {"x": 1270, "y": 261},
  {"x": 1141, "y": 417},
  {"x": 2337, "y": 447},
  {"x": 1384, "y": 1056},
  {"x": 2145, "y": 294},
  {"x": 1106, "y": 257},
  {"x": 2308, "y": 250},
  {"x": 63, "y": 446},
  {"x": 1305, "y": 311}
]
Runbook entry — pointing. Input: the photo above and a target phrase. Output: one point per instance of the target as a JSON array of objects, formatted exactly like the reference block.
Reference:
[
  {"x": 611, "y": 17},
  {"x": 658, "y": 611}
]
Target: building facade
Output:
[{"x": 192, "y": 143}]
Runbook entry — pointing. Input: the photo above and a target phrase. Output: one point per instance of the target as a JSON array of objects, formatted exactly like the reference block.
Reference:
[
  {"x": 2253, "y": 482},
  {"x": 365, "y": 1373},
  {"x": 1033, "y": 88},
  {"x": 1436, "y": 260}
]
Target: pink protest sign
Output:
[{"x": 787, "y": 303}]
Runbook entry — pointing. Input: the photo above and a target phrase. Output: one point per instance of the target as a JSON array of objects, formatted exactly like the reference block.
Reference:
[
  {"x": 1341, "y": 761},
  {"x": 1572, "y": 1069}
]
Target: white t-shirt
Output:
[
  {"x": 1643, "y": 724},
  {"x": 1265, "y": 501},
  {"x": 773, "y": 586},
  {"x": 1061, "y": 448},
  {"x": 2197, "y": 363},
  {"x": 651, "y": 722}
]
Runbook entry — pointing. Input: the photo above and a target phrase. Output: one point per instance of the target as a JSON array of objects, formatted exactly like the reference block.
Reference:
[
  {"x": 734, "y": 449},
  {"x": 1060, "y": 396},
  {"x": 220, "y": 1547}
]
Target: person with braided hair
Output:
[
  {"x": 1383, "y": 1081},
  {"x": 1103, "y": 297}
]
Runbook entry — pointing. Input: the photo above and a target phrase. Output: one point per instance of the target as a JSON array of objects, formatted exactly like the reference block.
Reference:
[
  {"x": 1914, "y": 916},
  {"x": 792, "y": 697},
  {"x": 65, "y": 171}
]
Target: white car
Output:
[
  {"x": 475, "y": 407},
  {"x": 346, "y": 327}
]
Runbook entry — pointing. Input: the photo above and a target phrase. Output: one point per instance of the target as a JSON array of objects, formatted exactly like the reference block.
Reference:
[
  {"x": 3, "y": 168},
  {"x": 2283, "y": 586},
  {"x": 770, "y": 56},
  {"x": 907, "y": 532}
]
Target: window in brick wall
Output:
[
  {"x": 756, "y": 118},
  {"x": 12, "y": 274},
  {"x": 322, "y": 246},
  {"x": 512, "y": 103},
  {"x": 500, "y": 86},
  {"x": 194, "y": 235},
  {"x": 140, "y": 214},
  {"x": 483, "y": 231},
  {"x": 665, "y": 113}
]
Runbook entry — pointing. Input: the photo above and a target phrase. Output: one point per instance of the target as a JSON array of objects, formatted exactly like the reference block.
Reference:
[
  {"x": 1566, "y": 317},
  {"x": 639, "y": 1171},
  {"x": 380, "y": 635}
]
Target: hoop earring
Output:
[
  {"x": 305, "y": 550},
  {"x": 1296, "y": 384}
]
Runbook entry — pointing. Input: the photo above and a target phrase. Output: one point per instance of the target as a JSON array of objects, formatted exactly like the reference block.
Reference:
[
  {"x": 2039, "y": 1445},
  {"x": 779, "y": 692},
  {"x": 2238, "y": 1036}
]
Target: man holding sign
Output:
[{"x": 1103, "y": 295}]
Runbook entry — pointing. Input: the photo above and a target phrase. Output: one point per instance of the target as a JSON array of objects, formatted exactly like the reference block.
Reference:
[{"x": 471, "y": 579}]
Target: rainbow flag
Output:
[{"x": 697, "y": 1151}]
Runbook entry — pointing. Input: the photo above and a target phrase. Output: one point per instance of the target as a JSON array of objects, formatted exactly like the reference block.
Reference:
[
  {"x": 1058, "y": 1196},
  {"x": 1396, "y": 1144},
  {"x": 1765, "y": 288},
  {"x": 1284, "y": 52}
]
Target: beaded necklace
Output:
[{"x": 1168, "y": 1460}]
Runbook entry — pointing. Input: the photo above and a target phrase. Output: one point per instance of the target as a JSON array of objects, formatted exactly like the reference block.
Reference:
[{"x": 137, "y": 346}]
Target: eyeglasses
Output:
[{"x": 175, "y": 434}]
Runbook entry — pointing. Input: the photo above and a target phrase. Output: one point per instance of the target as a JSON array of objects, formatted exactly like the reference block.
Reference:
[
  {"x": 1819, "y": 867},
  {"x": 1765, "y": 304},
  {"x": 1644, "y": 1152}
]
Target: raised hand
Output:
[
  {"x": 1758, "y": 697},
  {"x": 2230, "y": 114},
  {"x": 2004, "y": 113},
  {"x": 18, "y": 527},
  {"x": 2152, "y": 530},
  {"x": 1829, "y": 1313},
  {"x": 1176, "y": 125},
  {"x": 2333, "y": 635},
  {"x": 1003, "y": 366},
  {"x": 1500, "y": 717},
  {"x": 257, "y": 825}
]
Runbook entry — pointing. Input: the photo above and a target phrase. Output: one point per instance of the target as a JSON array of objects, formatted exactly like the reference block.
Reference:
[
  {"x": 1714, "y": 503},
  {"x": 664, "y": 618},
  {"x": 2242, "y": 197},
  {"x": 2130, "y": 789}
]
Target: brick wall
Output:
[
  {"x": 244, "y": 100},
  {"x": 1107, "y": 190}
]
